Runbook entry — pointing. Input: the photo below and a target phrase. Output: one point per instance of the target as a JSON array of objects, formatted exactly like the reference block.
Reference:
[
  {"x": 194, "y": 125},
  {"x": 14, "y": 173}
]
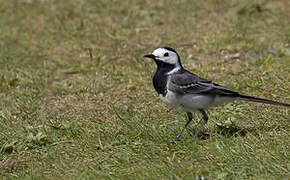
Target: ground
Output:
[{"x": 77, "y": 100}]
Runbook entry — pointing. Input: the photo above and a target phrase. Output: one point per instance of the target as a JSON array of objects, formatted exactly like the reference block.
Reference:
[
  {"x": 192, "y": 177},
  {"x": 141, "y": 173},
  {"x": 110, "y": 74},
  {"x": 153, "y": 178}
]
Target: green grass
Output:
[{"x": 66, "y": 115}]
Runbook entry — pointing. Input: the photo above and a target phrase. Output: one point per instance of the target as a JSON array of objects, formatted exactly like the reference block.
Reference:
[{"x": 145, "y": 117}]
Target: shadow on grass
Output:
[
  {"x": 235, "y": 131},
  {"x": 229, "y": 131},
  {"x": 203, "y": 136}
]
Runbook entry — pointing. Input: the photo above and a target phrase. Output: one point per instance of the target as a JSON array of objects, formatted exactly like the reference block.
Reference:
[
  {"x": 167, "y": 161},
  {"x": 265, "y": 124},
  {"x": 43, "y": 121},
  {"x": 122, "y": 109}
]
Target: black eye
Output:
[{"x": 166, "y": 54}]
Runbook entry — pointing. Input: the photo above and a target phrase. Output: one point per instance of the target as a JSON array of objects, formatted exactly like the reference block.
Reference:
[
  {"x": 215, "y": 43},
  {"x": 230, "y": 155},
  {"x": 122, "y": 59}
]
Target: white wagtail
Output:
[{"x": 186, "y": 91}]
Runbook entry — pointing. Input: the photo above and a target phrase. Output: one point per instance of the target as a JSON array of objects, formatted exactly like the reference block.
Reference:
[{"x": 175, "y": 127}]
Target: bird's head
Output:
[{"x": 165, "y": 56}]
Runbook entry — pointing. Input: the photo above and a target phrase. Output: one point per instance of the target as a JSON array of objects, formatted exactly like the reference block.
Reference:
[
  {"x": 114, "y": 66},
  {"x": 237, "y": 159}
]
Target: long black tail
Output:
[{"x": 260, "y": 100}]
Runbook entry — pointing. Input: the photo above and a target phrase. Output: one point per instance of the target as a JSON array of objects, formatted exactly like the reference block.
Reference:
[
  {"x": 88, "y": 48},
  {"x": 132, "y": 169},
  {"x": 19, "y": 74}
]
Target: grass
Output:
[{"x": 67, "y": 115}]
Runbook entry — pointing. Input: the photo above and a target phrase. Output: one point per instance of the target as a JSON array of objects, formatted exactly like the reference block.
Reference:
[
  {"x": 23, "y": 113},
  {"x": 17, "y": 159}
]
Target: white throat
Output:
[{"x": 174, "y": 70}]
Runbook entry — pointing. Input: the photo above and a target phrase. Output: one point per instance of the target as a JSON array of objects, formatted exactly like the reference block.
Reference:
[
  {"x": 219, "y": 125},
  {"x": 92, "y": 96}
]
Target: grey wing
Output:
[{"x": 188, "y": 82}]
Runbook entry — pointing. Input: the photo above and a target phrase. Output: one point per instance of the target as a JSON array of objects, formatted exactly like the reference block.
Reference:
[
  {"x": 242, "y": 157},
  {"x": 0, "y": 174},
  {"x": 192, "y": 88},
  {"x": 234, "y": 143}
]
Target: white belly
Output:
[{"x": 190, "y": 102}]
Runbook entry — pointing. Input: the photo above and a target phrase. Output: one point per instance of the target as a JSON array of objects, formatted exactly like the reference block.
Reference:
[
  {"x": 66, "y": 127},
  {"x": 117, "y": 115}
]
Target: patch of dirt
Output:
[{"x": 10, "y": 164}]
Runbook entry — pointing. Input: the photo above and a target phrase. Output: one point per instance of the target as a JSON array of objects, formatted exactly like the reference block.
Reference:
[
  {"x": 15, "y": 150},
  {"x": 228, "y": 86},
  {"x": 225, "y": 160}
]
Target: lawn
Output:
[{"x": 77, "y": 101}]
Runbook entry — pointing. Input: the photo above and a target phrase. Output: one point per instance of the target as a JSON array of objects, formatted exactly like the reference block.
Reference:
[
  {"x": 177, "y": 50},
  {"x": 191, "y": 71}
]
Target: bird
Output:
[{"x": 187, "y": 92}]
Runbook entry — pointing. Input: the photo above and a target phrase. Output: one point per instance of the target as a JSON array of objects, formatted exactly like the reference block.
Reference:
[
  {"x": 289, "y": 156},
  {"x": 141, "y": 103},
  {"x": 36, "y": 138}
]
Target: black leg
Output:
[
  {"x": 189, "y": 115},
  {"x": 205, "y": 119}
]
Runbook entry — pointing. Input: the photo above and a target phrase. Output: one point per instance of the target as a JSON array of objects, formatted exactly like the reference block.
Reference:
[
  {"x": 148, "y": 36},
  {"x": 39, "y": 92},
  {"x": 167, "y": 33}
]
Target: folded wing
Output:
[{"x": 187, "y": 82}]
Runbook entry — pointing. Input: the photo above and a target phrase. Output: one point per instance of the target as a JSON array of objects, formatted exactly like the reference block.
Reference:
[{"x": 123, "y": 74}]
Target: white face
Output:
[{"x": 166, "y": 56}]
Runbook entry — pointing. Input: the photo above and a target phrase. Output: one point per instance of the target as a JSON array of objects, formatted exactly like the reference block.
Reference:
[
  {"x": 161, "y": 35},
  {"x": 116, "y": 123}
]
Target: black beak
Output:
[{"x": 150, "y": 56}]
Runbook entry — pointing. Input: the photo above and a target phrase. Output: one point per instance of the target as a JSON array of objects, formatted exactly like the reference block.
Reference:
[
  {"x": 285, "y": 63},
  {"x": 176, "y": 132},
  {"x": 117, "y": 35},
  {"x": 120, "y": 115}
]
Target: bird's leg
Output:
[
  {"x": 205, "y": 118},
  {"x": 189, "y": 115}
]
